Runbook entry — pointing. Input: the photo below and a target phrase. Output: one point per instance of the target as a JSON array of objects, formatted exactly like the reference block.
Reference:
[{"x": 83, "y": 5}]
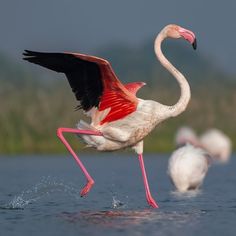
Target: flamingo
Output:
[
  {"x": 188, "y": 164},
  {"x": 187, "y": 167},
  {"x": 118, "y": 118},
  {"x": 186, "y": 135},
  {"x": 217, "y": 144}
]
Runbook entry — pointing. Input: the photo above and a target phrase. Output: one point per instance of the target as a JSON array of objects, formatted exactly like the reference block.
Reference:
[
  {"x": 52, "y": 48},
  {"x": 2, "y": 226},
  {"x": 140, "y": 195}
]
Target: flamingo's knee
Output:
[{"x": 59, "y": 132}]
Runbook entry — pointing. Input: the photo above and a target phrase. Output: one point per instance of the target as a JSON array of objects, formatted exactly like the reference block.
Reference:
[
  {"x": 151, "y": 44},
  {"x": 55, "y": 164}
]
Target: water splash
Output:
[
  {"x": 45, "y": 187},
  {"x": 116, "y": 204}
]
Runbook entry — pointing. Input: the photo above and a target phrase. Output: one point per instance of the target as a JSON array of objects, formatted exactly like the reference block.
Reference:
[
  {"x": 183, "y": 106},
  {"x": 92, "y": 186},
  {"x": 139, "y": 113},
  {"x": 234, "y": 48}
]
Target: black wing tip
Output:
[
  {"x": 194, "y": 44},
  {"x": 28, "y": 54},
  {"x": 27, "y": 51},
  {"x": 31, "y": 55}
]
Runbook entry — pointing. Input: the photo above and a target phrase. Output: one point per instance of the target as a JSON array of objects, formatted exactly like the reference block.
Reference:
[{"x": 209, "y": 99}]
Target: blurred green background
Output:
[{"x": 34, "y": 102}]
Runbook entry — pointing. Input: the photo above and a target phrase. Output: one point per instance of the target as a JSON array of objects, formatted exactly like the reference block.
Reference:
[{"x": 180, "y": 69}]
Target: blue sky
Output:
[{"x": 74, "y": 25}]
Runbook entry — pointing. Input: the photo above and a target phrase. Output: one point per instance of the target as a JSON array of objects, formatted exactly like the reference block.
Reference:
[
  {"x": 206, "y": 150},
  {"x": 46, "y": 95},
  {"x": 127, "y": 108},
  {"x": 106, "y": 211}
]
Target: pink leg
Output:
[
  {"x": 149, "y": 197},
  {"x": 60, "y": 131}
]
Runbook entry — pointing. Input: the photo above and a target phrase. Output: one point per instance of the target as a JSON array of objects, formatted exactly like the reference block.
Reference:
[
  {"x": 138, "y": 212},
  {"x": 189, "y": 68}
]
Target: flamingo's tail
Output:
[{"x": 90, "y": 140}]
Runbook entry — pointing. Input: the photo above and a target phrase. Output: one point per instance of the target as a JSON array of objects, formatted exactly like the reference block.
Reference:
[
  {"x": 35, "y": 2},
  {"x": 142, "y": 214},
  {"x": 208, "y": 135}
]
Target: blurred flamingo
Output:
[
  {"x": 186, "y": 135},
  {"x": 119, "y": 118},
  {"x": 217, "y": 144},
  {"x": 187, "y": 167}
]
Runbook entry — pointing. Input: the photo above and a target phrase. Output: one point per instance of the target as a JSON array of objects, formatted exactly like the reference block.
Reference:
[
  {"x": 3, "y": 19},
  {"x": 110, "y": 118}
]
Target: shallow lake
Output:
[{"x": 40, "y": 196}]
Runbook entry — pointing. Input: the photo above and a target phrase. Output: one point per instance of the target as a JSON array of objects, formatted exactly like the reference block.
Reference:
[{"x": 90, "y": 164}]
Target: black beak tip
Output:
[{"x": 194, "y": 44}]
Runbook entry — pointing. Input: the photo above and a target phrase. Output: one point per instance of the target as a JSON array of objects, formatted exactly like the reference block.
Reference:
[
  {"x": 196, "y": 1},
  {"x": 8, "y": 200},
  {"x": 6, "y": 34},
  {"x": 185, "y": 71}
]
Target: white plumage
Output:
[
  {"x": 185, "y": 135},
  {"x": 217, "y": 144},
  {"x": 187, "y": 167}
]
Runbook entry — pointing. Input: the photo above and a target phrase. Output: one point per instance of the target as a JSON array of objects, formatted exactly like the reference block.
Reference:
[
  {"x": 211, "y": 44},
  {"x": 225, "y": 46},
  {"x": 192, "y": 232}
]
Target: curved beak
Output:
[
  {"x": 194, "y": 44},
  {"x": 189, "y": 36}
]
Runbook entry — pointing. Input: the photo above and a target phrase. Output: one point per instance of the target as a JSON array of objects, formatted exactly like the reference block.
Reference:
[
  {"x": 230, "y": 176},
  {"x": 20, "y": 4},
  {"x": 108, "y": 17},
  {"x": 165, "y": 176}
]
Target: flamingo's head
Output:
[{"x": 175, "y": 31}]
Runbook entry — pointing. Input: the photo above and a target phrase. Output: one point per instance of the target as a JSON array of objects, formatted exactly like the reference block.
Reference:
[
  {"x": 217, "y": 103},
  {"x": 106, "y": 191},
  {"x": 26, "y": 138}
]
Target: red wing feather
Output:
[
  {"x": 134, "y": 86},
  {"x": 120, "y": 105},
  {"x": 116, "y": 96}
]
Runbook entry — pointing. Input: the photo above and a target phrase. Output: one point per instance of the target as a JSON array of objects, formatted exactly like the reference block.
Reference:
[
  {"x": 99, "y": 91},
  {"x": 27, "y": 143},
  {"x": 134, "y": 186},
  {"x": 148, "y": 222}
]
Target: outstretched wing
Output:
[{"x": 92, "y": 80}]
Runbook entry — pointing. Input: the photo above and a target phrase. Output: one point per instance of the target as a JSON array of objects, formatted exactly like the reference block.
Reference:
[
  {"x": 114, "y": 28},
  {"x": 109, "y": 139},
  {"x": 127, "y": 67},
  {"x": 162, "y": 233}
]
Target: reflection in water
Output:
[
  {"x": 121, "y": 219},
  {"x": 112, "y": 218},
  {"x": 188, "y": 194}
]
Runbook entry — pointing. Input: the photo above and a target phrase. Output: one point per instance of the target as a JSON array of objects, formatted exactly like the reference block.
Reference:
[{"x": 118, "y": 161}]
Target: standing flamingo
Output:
[
  {"x": 118, "y": 118},
  {"x": 187, "y": 167},
  {"x": 217, "y": 144},
  {"x": 186, "y": 135},
  {"x": 189, "y": 163}
]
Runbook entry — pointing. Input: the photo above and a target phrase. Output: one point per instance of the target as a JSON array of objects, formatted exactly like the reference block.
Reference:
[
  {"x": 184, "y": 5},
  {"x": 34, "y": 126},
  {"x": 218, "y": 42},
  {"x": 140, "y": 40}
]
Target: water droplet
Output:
[
  {"x": 47, "y": 186},
  {"x": 116, "y": 203}
]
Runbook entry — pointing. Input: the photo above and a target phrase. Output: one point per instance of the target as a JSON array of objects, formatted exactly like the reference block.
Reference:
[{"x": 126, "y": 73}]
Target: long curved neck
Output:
[{"x": 183, "y": 101}]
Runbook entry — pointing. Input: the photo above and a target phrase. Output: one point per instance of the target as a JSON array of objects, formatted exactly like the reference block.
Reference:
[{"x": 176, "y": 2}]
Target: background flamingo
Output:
[
  {"x": 186, "y": 135},
  {"x": 217, "y": 144},
  {"x": 214, "y": 141},
  {"x": 187, "y": 167},
  {"x": 118, "y": 118}
]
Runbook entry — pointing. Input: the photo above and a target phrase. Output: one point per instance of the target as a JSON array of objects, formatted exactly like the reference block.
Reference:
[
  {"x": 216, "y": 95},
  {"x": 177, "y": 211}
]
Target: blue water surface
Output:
[{"x": 40, "y": 196}]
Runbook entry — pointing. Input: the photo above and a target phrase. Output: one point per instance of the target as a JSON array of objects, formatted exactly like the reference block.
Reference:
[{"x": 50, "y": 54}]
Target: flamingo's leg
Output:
[
  {"x": 149, "y": 197},
  {"x": 60, "y": 131}
]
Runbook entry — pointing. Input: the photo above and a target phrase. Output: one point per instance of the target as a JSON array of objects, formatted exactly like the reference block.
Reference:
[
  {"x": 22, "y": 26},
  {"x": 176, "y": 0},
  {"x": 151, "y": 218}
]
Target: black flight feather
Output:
[{"x": 83, "y": 76}]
